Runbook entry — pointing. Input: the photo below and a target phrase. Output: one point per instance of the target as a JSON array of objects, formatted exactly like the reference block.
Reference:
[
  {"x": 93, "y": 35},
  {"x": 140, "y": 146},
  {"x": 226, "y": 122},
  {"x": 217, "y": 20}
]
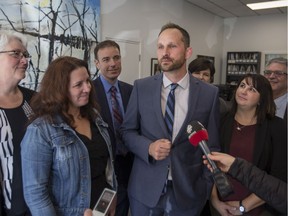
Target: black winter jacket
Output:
[{"x": 267, "y": 187}]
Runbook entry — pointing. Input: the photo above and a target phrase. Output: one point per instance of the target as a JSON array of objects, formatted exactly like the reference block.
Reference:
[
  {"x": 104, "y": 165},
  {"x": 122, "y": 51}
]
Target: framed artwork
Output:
[
  {"x": 211, "y": 58},
  {"x": 266, "y": 56},
  {"x": 270, "y": 56},
  {"x": 154, "y": 66},
  {"x": 52, "y": 29}
]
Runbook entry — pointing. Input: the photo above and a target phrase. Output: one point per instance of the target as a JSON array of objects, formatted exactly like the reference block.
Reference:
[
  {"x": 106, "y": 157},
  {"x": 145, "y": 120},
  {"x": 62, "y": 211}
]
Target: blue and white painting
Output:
[{"x": 52, "y": 28}]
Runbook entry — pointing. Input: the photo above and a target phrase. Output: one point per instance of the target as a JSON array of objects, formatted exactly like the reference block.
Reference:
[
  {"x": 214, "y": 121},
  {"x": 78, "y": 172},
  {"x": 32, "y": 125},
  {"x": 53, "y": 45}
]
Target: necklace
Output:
[{"x": 239, "y": 128}]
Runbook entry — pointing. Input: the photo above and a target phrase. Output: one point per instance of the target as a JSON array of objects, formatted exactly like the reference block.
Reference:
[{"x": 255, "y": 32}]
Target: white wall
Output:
[
  {"x": 141, "y": 20},
  {"x": 267, "y": 34}
]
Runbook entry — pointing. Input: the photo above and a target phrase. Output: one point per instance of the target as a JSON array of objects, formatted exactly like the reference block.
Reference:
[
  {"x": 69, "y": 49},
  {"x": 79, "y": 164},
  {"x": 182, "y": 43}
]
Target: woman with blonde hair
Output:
[{"x": 14, "y": 114}]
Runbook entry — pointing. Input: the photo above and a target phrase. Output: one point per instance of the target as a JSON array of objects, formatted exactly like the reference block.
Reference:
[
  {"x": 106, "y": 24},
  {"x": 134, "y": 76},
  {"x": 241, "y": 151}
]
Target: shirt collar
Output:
[
  {"x": 183, "y": 83},
  {"x": 108, "y": 85},
  {"x": 283, "y": 97}
]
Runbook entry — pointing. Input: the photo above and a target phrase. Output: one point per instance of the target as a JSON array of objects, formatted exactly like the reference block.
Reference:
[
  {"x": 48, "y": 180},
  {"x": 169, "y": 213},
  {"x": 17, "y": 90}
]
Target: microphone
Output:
[{"x": 198, "y": 135}]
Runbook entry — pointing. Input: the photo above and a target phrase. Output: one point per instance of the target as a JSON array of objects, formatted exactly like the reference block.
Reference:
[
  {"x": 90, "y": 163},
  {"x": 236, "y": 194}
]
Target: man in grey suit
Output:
[
  {"x": 108, "y": 61},
  {"x": 168, "y": 176}
]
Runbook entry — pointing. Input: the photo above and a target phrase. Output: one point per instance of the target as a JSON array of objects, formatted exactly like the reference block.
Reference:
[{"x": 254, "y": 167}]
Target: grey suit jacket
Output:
[{"x": 144, "y": 124}]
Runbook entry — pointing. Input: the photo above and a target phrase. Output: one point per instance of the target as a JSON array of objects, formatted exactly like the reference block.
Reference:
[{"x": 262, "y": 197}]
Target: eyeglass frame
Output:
[
  {"x": 276, "y": 73},
  {"x": 18, "y": 54}
]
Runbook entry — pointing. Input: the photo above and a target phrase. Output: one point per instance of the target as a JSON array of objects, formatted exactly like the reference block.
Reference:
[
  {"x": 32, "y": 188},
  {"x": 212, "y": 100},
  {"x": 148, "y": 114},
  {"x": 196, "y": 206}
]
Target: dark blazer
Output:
[
  {"x": 270, "y": 151},
  {"x": 125, "y": 91},
  {"x": 144, "y": 124},
  {"x": 267, "y": 187}
]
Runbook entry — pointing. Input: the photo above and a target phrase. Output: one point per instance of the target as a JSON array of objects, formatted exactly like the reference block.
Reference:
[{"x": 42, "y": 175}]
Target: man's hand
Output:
[{"x": 160, "y": 149}]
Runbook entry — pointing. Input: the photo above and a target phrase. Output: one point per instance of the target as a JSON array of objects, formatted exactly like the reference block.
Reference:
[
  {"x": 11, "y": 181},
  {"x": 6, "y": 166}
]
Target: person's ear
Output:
[
  {"x": 96, "y": 62},
  {"x": 188, "y": 52}
]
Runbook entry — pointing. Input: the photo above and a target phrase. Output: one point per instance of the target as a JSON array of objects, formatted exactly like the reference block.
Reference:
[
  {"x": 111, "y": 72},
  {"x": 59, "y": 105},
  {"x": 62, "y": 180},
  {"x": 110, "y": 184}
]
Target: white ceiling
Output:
[{"x": 234, "y": 8}]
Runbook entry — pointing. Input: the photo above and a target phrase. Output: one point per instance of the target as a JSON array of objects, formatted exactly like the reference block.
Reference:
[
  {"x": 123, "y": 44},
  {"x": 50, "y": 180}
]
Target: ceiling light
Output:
[{"x": 268, "y": 4}]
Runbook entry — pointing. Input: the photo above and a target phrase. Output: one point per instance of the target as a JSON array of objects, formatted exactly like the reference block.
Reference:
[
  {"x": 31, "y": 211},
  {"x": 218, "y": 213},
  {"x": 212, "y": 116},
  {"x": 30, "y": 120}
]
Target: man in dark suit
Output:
[
  {"x": 168, "y": 176},
  {"x": 108, "y": 61}
]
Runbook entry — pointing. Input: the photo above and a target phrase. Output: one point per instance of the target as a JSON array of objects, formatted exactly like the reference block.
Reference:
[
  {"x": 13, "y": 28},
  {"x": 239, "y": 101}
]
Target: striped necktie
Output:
[
  {"x": 117, "y": 116},
  {"x": 169, "y": 120},
  {"x": 170, "y": 106},
  {"x": 117, "y": 121}
]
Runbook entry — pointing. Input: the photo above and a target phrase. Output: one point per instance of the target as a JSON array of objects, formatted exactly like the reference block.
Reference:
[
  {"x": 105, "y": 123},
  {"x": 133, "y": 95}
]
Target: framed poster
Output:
[
  {"x": 211, "y": 58},
  {"x": 52, "y": 29},
  {"x": 266, "y": 56},
  {"x": 273, "y": 55},
  {"x": 154, "y": 66}
]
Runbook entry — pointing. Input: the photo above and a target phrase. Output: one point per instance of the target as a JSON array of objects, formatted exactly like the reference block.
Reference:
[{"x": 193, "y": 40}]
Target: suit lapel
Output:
[
  {"x": 156, "y": 94},
  {"x": 124, "y": 94},
  {"x": 194, "y": 92},
  {"x": 260, "y": 140},
  {"x": 102, "y": 100}
]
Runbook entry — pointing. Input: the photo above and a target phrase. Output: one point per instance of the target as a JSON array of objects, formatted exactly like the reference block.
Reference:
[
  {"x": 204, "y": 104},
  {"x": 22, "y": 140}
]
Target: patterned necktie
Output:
[
  {"x": 117, "y": 116},
  {"x": 170, "y": 106},
  {"x": 117, "y": 121}
]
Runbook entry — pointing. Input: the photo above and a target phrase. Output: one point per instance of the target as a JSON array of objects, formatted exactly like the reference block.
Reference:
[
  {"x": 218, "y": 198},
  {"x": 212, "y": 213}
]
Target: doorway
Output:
[{"x": 130, "y": 58}]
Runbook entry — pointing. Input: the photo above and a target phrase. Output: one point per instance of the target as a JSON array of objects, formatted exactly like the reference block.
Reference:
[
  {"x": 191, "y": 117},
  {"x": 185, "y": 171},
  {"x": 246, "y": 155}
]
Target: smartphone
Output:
[{"x": 102, "y": 206}]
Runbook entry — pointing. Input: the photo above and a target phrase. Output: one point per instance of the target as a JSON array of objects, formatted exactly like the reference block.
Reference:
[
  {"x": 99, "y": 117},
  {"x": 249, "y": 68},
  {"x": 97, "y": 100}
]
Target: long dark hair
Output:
[
  {"x": 52, "y": 99},
  {"x": 266, "y": 107}
]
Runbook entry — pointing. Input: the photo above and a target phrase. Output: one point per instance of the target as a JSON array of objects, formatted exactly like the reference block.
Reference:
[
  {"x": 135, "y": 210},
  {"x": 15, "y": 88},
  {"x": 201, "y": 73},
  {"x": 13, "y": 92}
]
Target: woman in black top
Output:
[
  {"x": 14, "y": 113},
  {"x": 252, "y": 131}
]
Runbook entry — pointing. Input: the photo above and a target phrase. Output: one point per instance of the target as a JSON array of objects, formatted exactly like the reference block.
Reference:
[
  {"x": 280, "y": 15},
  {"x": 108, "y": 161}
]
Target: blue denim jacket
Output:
[{"x": 56, "y": 168}]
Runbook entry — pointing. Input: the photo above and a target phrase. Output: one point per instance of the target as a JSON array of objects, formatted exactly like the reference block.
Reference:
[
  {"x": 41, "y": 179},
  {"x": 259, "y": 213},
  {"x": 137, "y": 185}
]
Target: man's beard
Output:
[{"x": 176, "y": 64}]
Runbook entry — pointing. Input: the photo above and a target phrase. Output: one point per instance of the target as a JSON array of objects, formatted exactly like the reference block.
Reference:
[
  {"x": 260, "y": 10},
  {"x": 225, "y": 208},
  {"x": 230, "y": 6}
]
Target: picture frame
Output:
[
  {"x": 154, "y": 66},
  {"x": 268, "y": 55},
  {"x": 211, "y": 58}
]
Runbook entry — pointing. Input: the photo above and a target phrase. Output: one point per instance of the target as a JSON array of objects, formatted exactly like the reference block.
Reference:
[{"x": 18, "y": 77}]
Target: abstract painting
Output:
[{"x": 52, "y": 28}]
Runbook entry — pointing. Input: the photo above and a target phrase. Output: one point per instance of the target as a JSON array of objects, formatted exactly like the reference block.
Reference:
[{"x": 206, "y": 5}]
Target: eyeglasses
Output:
[
  {"x": 276, "y": 73},
  {"x": 18, "y": 54}
]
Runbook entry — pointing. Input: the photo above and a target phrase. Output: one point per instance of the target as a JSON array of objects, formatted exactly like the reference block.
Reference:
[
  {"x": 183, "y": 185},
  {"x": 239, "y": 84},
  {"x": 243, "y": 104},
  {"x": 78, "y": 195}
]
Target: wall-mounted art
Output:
[
  {"x": 211, "y": 58},
  {"x": 52, "y": 28},
  {"x": 154, "y": 66}
]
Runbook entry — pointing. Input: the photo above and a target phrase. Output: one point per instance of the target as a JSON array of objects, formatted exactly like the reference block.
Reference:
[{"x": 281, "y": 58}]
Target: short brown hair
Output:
[
  {"x": 104, "y": 44},
  {"x": 185, "y": 34},
  {"x": 200, "y": 64}
]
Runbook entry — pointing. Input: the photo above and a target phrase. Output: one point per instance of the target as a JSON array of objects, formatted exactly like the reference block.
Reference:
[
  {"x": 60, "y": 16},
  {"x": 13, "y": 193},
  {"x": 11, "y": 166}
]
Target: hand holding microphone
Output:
[
  {"x": 198, "y": 136},
  {"x": 223, "y": 161}
]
